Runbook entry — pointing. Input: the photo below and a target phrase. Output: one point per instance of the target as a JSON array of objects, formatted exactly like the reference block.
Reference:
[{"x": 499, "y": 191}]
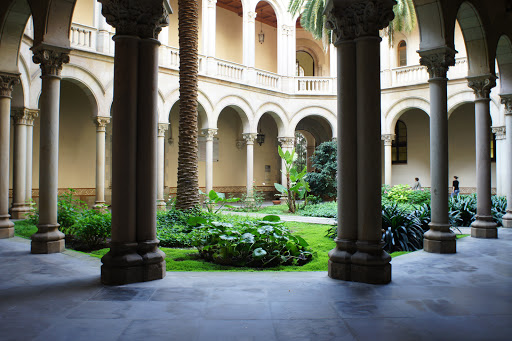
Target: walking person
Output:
[
  {"x": 455, "y": 185},
  {"x": 417, "y": 185}
]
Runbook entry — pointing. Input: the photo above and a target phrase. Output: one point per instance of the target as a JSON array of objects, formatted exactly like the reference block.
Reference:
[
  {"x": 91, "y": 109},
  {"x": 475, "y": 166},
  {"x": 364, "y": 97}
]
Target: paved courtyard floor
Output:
[{"x": 464, "y": 296}]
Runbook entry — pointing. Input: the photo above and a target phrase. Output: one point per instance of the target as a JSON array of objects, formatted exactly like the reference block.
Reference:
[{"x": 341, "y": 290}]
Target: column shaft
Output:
[
  {"x": 339, "y": 257},
  {"x": 484, "y": 225},
  {"x": 19, "y": 206},
  {"x": 507, "y": 218},
  {"x": 30, "y": 148},
  {"x": 101, "y": 123},
  {"x": 48, "y": 238},
  {"x": 209, "y": 133},
  {"x": 439, "y": 238},
  {"x": 162, "y": 127},
  {"x": 7, "y": 83},
  {"x": 388, "y": 158},
  {"x": 249, "y": 139}
]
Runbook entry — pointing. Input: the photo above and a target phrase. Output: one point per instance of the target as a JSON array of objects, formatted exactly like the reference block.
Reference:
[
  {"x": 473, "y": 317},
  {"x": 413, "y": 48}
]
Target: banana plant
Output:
[
  {"x": 213, "y": 199},
  {"x": 296, "y": 185}
]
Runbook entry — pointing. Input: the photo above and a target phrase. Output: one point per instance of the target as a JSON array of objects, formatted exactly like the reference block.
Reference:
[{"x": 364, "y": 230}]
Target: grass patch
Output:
[
  {"x": 24, "y": 229},
  {"x": 459, "y": 236},
  {"x": 399, "y": 253}
]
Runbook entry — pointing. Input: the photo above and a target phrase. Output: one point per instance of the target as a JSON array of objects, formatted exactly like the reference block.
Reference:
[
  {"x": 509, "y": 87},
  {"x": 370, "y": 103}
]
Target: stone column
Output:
[
  {"x": 439, "y": 238},
  {"x": 358, "y": 255},
  {"x": 249, "y": 141},
  {"x": 101, "y": 124},
  {"x": 134, "y": 255},
  {"x": 7, "y": 82},
  {"x": 33, "y": 113},
  {"x": 507, "y": 101},
  {"x": 19, "y": 205},
  {"x": 388, "y": 158},
  {"x": 209, "y": 29},
  {"x": 209, "y": 133},
  {"x": 484, "y": 226},
  {"x": 500, "y": 133},
  {"x": 249, "y": 41},
  {"x": 287, "y": 144},
  {"x": 162, "y": 128},
  {"x": 48, "y": 238}
]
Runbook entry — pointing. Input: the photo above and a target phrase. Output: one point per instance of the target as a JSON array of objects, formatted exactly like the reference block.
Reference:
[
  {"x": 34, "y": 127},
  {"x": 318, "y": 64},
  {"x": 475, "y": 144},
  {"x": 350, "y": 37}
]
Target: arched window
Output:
[
  {"x": 402, "y": 53},
  {"x": 399, "y": 146},
  {"x": 305, "y": 64}
]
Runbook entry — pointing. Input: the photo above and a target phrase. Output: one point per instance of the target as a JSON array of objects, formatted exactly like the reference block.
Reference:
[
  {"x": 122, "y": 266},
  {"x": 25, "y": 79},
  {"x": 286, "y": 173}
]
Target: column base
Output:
[
  {"x": 484, "y": 227},
  {"x": 339, "y": 265},
  {"x": 6, "y": 227},
  {"x": 161, "y": 205},
  {"x": 132, "y": 263},
  {"x": 100, "y": 207},
  {"x": 439, "y": 239},
  {"x": 20, "y": 211},
  {"x": 507, "y": 219},
  {"x": 371, "y": 264},
  {"x": 48, "y": 239}
]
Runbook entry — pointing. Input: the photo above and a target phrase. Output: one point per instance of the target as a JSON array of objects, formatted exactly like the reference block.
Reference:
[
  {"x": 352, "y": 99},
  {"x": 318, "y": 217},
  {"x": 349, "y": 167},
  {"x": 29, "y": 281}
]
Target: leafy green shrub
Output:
[
  {"x": 251, "y": 204},
  {"x": 325, "y": 210},
  {"x": 466, "y": 206},
  {"x": 420, "y": 197},
  {"x": 498, "y": 208},
  {"x": 69, "y": 210},
  {"x": 214, "y": 201},
  {"x": 92, "y": 229},
  {"x": 399, "y": 193},
  {"x": 323, "y": 180},
  {"x": 401, "y": 231},
  {"x": 263, "y": 243}
]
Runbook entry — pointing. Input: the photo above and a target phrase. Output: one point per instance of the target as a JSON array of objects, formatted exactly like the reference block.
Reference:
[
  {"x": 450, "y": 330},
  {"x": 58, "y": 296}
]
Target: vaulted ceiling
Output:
[{"x": 265, "y": 12}]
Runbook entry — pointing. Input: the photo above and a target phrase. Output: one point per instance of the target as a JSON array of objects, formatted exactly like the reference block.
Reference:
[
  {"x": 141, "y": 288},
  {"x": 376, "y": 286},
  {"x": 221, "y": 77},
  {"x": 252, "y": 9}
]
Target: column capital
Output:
[
  {"x": 136, "y": 18},
  {"x": 32, "y": 114},
  {"x": 251, "y": 17},
  {"x": 212, "y": 3},
  {"x": 506, "y": 100},
  {"x": 7, "y": 83},
  {"x": 286, "y": 142},
  {"x": 437, "y": 61},
  {"x": 482, "y": 85},
  {"x": 51, "y": 59},
  {"x": 388, "y": 139},
  {"x": 209, "y": 133},
  {"x": 162, "y": 128},
  {"x": 101, "y": 122},
  {"x": 249, "y": 138},
  {"x": 357, "y": 18},
  {"x": 20, "y": 116},
  {"x": 500, "y": 132}
]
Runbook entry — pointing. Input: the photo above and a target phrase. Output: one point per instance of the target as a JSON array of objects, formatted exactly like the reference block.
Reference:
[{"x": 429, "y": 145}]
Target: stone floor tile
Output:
[
  {"x": 180, "y": 294},
  {"x": 302, "y": 310},
  {"x": 83, "y": 330},
  {"x": 312, "y": 330},
  {"x": 238, "y": 311},
  {"x": 159, "y": 330},
  {"x": 123, "y": 294},
  {"x": 101, "y": 310},
  {"x": 368, "y": 308},
  {"x": 240, "y": 294},
  {"x": 154, "y": 310},
  {"x": 237, "y": 330}
]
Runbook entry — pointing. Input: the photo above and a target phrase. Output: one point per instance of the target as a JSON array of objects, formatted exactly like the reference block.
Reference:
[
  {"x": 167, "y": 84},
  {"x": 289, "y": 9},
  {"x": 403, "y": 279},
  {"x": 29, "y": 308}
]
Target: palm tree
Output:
[
  {"x": 313, "y": 20},
  {"x": 187, "y": 195}
]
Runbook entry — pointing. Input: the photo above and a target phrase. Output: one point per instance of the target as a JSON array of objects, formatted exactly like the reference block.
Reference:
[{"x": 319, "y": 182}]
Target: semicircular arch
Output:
[
  {"x": 399, "y": 108},
  {"x": 242, "y": 107},
  {"x": 318, "y": 111},
  {"x": 278, "y": 114}
]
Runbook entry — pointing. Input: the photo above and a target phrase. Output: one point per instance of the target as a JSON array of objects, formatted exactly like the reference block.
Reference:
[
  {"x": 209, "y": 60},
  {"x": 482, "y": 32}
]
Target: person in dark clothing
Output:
[{"x": 455, "y": 184}]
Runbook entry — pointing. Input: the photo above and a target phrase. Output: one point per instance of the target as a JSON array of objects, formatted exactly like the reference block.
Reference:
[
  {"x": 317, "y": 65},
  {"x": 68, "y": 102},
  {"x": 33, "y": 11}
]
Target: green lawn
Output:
[{"x": 188, "y": 259}]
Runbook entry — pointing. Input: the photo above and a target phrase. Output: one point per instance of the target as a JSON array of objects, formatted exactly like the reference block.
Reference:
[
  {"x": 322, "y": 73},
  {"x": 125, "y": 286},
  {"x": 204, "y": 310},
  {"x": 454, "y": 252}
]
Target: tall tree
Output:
[
  {"x": 188, "y": 185},
  {"x": 313, "y": 19}
]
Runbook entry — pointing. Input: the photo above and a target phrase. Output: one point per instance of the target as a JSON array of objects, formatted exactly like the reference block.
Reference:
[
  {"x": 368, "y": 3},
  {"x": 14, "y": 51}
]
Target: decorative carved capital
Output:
[
  {"x": 500, "y": 132},
  {"x": 357, "y": 18},
  {"x": 212, "y": 3},
  {"x": 506, "y": 100},
  {"x": 388, "y": 139},
  {"x": 286, "y": 142},
  {"x": 251, "y": 17},
  {"x": 209, "y": 133},
  {"x": 482, "y": 85},
  {"x": 137, "y": 18},
  {"x": 438, "y": 61},
  {"x": 7, "y": 83},
  {"x": 162, "y": 128},
  {"x": 32, "y": 114},
  {"x": 249, "y": 138},
  {"x": 51, "y": 60},
  {"x": 101, "y": 122}
]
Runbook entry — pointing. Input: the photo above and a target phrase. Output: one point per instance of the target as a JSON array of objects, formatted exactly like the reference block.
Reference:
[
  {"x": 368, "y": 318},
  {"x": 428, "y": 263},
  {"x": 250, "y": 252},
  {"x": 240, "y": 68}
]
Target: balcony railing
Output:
[{"x": 87, "y": 38}]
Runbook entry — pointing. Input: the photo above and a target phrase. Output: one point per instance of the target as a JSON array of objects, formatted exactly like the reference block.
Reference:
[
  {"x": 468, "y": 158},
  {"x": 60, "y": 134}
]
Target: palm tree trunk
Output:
[{"x": 188, "y": 187}]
